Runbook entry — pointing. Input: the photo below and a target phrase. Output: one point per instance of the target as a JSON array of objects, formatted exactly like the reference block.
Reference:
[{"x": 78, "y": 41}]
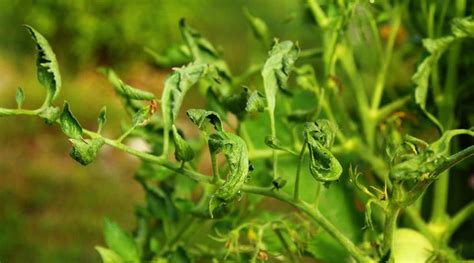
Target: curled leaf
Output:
[
  {"x": 124, "y": 89},
  {"x": 200, "y": 117},
  {"x": 50, "y": 114},
  {"x": 47, "y": 66},
  {"x": 236, "y": 154},
  {"x": 183, "y": 151},
  {"x": 320, "y": 137},
  {"x": 176, "y": 86},
  {"x": 277, "y": 68},
  {"x": 85, "y": 151},
  {"x": 256, "y": 102},
  {"x": 69, "y": 123}
]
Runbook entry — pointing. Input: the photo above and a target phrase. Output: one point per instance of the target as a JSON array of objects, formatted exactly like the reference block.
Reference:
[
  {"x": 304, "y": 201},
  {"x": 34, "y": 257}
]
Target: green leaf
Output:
[
  {"x": 47, "y": 66},
  {"x": 124, "y": 89},
  {"x": 108, "y": 256},
  {"x": 102, "y": 119},
  {"x": 259, "y": 28},
  {"x": 20, "y": 97},
  {"x": 274, "y": 143},
  {"x": 85, "y": 151},
  {"x": 320, "y": 137},
  {"x": 69, "y": 123},
  {"x": 256, "y": 102},
  {"x": 176, "y": 87},
  {"x": 461, "y": 28},
  {"x": 183, "y": 151},
  {"x": 277, "y": 69},
  {"x": 172, "y": 56},
  {"x": 50, "y": 114},
  {"x": 142, "y": 116},
  {"x": 120, "y": 241},
  {"x": 200, "y": 116},
  {"x": 236, "y": 154},
  {"x": 204, "y": 52}
]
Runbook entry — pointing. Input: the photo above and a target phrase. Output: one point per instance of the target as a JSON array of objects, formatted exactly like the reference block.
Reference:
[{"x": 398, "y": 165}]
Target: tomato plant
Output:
[{"x": 297, "y": 143}]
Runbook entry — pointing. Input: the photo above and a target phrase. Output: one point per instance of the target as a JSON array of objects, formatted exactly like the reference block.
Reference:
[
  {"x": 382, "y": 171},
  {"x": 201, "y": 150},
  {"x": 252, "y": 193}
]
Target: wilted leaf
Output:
[
  {"x": 236, "y": 154},
  {"x": 256, "y": 102},
  {"x": 277, "y": 69},
  {"x": 320, "y": 137},
  {"x": 200, "y": 116},
  {"x": 50, "y": 114},
  {"x": 176, "y": 86},
  {"x": 85, "y": 151},
  {"x": 69, "y": 123},
  {"x": 47, "y": 66}
]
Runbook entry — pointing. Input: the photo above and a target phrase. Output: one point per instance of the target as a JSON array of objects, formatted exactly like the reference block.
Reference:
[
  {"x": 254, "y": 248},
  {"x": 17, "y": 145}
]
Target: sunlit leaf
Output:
[{"x": 108, "y": 256}]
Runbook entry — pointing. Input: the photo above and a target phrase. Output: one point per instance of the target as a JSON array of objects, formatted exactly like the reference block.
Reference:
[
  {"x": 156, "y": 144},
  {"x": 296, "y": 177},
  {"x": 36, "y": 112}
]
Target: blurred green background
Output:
[{"x": 51, "y": 208}]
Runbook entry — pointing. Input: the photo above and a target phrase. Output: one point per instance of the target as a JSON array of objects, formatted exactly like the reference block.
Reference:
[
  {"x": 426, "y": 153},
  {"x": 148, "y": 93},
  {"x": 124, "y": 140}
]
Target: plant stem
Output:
[
  {"x": 12, "y": 112},
  {"x": 296, "y": 193},
  {"x": 313, "y": 214},
  {"x": 389, "y": 228}
]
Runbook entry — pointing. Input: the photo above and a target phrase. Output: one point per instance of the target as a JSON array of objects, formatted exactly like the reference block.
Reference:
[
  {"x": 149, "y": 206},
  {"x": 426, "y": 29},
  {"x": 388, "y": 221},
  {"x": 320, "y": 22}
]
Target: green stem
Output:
[
  {"x": 274, "y": 151},
  {"x": 285, "y": 244},
  {"x": 315, "y": 215},
  {"x": 391, "y": 107},
  {"x": 380, "y": 82},
  {"x": 296, "y": 193},
  {"x": 185, "y": 227},
  {"x": 14, "y": 112},
  {"x": 389, "y": 228}
]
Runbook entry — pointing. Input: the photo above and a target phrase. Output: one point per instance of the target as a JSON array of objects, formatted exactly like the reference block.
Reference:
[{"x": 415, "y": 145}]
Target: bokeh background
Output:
[{"x": 51, "y": 208}]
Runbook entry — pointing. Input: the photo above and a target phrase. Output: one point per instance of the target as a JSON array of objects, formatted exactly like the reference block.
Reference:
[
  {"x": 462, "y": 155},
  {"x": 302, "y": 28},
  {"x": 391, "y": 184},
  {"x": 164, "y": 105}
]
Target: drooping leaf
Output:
[
  {"x": 85, "y": 151},
  {"x": 277, "y": 68},
  {"x": 200, "y": 116},
  {"x": 256, "y": 102},
  {"x": 176, "y": 86},
  {"x": 124, "y": 89},
  {"x": 20, "y": 97},
  {"x": 236, "y": 155},
  {"x": 102, "y": 119},
  {"x": 183, "y": 151},
  {"x": 259, "y": 28},
  {"x": 108, "y": 256},
  {"x": 323, "y": 164},
  {"x": 69, "y": 123},
  {"x": 47, "y": 66},
  {"x": 120, "y": 241}
]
